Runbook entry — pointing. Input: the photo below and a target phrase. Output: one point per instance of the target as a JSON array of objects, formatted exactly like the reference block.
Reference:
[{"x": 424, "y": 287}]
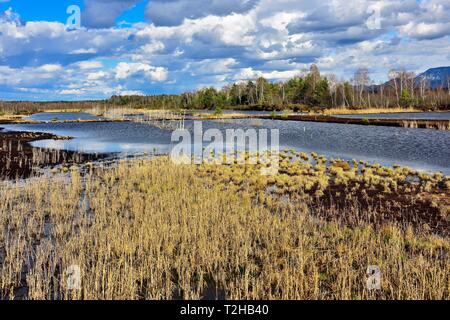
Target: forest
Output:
[{"x": 310, "y": 90}]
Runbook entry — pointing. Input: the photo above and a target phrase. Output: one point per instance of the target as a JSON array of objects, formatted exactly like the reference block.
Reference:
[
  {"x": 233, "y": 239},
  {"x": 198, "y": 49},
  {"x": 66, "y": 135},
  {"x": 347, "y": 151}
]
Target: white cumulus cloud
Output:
[{"x": 125, "y": 70}]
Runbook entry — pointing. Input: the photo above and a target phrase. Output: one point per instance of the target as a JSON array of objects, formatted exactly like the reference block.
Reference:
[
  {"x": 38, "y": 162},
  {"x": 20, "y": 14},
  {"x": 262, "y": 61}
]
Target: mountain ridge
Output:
[{"x": 437, "y": 77}]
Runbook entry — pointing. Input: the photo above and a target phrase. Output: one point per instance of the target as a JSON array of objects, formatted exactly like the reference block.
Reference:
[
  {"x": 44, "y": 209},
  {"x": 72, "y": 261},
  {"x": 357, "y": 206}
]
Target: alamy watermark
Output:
[
  {"x": 249, "y": 146},
  {"x": 73, "y": 277},
  {"x": 374, "y": 20},
  {"x": 374, "y": 278},
  {"x": 74, "y": 20}
]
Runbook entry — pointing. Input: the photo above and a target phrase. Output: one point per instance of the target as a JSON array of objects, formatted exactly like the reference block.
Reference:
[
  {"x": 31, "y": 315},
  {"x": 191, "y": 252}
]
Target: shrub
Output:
[{"x": 218, "y": 111}]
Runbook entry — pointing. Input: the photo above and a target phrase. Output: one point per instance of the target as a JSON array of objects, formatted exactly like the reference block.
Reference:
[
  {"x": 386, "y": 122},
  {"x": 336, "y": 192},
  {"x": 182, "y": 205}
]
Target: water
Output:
[
  {"x": 62, "y": 116},
  {"x": 421, "y": 149},
  {"x": 249, "y": 112},
  {"x": 101, "y": 137},
  {"x": 403, "y": 115}
]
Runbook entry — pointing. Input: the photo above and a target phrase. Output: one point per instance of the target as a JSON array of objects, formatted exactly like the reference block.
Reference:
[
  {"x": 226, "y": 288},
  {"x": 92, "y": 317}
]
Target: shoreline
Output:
[
  {"x": 311, "y": 117},
  {"x": 20, "y": 160},
  {"x": 403, "y": 123},
  {"x": 396, "y": 123}
]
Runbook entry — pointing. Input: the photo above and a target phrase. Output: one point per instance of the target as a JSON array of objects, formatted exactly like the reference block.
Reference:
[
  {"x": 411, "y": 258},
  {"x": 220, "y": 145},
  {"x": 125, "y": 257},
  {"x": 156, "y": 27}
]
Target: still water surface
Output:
[
  {"x": 62, "y": 116},
  {"x": 421, "y": 149}
]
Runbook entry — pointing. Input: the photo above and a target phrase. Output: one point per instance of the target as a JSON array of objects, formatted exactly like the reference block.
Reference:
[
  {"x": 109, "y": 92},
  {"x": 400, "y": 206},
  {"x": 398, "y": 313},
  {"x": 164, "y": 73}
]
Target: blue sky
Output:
[
  {"x": 47, "y": 10},
  {"x": 55, "y": 10},
  {"x": 172, "y": 46}
]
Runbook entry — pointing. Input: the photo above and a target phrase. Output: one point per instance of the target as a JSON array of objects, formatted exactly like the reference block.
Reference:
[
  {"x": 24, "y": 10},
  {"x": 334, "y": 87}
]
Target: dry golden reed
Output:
[
  {"x": 153, "y": 230},
  {"x": 368, "y": 110}
]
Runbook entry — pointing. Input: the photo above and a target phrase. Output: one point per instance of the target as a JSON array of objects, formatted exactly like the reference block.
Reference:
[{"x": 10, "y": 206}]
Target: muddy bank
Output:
[
  {"x": 350, "y": 192},
  {"x": 413, "y": 207},
  {"x": 22, "y": 121},
  {"x": 404, "y": 123},
  {"x": 18, "y": 159}
]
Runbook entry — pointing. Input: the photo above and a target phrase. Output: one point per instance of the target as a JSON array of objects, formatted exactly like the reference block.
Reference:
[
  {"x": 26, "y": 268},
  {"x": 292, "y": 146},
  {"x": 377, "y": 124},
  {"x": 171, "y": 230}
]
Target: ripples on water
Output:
[
  {"x": 62, "y": 116},
  {"x": 419, "y": 148}
]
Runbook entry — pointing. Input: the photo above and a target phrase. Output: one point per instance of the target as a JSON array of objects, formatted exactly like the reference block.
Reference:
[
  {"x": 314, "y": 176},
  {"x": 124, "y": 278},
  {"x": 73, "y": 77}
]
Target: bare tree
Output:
[
  {"x": 394, "y": 76},
  {"x": 283, "y": 92},
  {"x": 411, "y": 77},
  {"x": 362, "y": 80},
  {"x": 315, "y": 75},
  {"x": 333, "y": 83},
  {"x": 423, "y": 85}
]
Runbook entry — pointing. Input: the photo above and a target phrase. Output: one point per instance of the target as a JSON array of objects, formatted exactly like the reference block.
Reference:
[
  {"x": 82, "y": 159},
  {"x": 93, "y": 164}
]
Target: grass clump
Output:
[{"x": 218, "y": 111}]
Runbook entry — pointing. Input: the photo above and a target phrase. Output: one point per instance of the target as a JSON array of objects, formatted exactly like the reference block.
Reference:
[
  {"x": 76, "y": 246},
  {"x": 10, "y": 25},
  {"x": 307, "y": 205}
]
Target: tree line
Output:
[{"x": 309, "y": 90}]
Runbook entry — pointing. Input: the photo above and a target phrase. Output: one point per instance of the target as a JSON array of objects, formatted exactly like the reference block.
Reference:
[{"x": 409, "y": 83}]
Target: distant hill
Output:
[{"x": 437, "y": 77}]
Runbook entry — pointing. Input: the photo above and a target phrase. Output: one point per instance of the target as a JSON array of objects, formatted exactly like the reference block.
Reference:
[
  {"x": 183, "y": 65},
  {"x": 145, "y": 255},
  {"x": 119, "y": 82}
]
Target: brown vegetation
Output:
[
  {"x": 154, "y": 230},
  {"x": 18, "y": 159},
  {"x": 403, "y": 123}
]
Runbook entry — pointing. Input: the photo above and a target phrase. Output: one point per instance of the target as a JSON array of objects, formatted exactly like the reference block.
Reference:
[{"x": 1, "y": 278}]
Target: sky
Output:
[{"x": 123, "y": 47}]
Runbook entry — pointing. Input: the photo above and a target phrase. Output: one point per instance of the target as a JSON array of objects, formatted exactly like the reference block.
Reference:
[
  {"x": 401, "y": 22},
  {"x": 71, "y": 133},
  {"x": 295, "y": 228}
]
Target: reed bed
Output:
[
  {"x": 162, "y": 119},
  {"x": 334, "y": 111},
  {"x": 154, "y": 230},
  {"x": 7, "y": 117},
  {"x": 18, "y": 159},
  {"x": 351, "y": 190},
  {"x": 413, "y": 124}
]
